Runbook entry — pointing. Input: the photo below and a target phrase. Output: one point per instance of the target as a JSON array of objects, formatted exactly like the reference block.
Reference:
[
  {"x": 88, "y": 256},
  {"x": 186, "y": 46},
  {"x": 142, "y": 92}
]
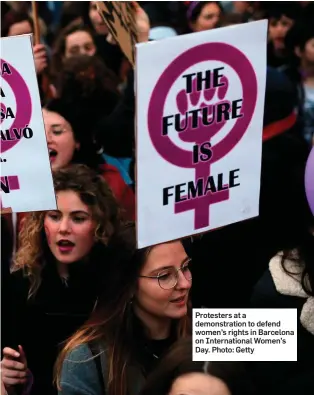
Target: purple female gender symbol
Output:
[
  {"x": 183, "y": 158},
  {"x": 309, "y": 180},
  {"x": 3, "y": 109},
  {"x": 23, "y": 103}
]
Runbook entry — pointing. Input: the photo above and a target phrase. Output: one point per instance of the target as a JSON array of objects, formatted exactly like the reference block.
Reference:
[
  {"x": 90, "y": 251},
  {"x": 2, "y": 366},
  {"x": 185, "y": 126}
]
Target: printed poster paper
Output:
[
  {"x": 26, "y": 179},
  {"x": 200, "y": 103}
]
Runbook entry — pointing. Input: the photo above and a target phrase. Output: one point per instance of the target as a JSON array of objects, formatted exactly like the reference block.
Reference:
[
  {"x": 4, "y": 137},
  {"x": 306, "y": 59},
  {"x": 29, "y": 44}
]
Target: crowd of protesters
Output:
[{"x": 84, "y": 312}]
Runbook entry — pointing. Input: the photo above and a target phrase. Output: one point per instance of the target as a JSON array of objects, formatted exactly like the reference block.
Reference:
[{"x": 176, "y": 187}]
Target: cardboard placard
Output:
[
  {"x": 119, "y": 17},
  {"x": 199, "y": 131},
  {"x": 26, "y": 179}
]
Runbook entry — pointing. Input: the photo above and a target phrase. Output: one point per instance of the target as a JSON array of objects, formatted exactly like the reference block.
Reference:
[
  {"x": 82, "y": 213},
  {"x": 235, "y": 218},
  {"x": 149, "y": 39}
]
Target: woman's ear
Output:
[
  {"x": 298, "y": 52},
  {"x": 77, "y": 146}
]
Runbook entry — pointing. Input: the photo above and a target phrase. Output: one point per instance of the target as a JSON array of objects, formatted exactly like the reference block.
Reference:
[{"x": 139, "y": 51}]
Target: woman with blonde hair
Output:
[
  {"x": 139, "y": 316},
  {"x": 59, "y": 269}
]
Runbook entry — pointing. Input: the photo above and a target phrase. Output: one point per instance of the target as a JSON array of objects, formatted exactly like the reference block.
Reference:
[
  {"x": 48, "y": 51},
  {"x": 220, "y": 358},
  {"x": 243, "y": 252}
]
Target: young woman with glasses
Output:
[{"x": 143, "y": 312}]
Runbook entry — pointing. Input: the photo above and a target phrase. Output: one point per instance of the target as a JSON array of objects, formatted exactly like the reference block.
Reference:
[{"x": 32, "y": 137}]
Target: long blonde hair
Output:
[{"x": 93, "y": 190}]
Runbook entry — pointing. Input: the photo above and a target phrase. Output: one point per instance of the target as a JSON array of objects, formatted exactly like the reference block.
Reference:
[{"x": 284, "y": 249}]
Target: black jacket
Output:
[
  {"x": 42, "y": 323},
  {"x": 237, "y": 255},
  {"x": 116, "y": 132},
  {"x": 276, "y": 289},
  {"x": 228, "y": 262}
]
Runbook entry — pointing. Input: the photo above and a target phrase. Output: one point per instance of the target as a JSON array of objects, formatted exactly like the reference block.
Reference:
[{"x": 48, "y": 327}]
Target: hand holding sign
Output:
[
  {"x": 128, "y": 24},
  {"x": 120, "y": 19},
  {"x": 142, "y": 23},
  {"x": 40, "y": 57}
]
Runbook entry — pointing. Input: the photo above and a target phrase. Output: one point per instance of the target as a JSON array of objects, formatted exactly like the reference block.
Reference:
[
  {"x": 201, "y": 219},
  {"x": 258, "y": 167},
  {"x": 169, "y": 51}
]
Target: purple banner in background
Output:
[{"x": 309, "y": 180}]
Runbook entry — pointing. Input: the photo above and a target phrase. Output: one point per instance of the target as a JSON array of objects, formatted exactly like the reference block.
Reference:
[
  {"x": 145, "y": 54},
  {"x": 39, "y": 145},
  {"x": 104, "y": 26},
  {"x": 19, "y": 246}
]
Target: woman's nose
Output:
[
  {"x": 183, "y": 283},
  {"x": 64, "y": 226},
  {"x": 48, "y": 135}
]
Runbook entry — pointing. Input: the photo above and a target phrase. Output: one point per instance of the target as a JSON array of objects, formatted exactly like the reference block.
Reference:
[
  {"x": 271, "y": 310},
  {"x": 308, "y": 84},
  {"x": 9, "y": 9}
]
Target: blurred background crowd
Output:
[{"x": 87, "y": 93}]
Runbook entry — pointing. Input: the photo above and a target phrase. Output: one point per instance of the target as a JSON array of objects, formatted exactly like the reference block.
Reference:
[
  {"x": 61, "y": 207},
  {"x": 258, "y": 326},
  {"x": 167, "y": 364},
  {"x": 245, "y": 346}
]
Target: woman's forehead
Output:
[
  {"x": 69, "y": 200},
  {"x": 171, "y": 253},
  {"x": 51, "y": 117}
]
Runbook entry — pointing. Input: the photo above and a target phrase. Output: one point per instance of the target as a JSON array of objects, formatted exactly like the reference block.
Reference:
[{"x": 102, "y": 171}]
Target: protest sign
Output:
[
  {"x": 119, "y": 17},
  {"x": 26, "y": 180},
  {"x": 200, "y": 101}
]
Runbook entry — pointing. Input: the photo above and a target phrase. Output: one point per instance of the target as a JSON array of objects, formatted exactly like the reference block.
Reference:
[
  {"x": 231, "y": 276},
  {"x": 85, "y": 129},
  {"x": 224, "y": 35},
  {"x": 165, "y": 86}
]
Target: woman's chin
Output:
[
  {"x": 179, "y": 312},
  {"x": 54, "y": 165},
  {"x": 66, "y": 259}
]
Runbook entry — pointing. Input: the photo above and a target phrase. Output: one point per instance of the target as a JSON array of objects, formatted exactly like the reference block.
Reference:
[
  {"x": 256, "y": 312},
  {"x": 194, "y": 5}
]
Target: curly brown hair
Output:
[{"x": 94, "y": 192}]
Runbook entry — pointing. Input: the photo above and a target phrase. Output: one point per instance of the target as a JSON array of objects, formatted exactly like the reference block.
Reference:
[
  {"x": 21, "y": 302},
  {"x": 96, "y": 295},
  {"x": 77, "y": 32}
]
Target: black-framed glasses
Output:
[{"x": 168, "y": 278}]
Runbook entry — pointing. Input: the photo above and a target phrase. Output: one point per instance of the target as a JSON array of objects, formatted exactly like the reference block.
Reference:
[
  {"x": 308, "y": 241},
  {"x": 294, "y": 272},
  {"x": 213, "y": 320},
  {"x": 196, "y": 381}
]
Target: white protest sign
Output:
[
  {"x": 200, "y": 103},
  {"x": 26, "y": 179}
]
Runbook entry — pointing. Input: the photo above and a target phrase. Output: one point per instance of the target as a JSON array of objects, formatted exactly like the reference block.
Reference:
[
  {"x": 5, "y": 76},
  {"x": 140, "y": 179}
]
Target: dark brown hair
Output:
[
  {"x": 60, "y": 44},
  {"x": 179, "y": 362},
  {"x": 303, "y": 257},
  {"x": 85, "y": 76},
  {"x": 11, "y": 18},
  {"x": 113, "y": 322},
  {"x": 82, "y": 128},
  {"x": 195, "y": 9}
]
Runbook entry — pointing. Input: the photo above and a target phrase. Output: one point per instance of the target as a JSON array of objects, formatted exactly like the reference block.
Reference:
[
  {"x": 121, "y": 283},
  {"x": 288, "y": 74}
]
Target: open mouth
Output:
[
  {"x": 52, "y": 154},
  {"x": 65, "y": 246},
  {"x": 63, "y": 243}
]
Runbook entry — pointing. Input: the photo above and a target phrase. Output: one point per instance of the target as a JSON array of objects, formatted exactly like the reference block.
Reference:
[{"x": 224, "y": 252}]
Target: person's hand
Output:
[
  {"x": 110, "y": 39},
  {"x": 3, "y": 390},
  {"x": 40, "y": 57},
  {"x": 13, "y": 368},
  {"x": 142, "y": 23}
]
